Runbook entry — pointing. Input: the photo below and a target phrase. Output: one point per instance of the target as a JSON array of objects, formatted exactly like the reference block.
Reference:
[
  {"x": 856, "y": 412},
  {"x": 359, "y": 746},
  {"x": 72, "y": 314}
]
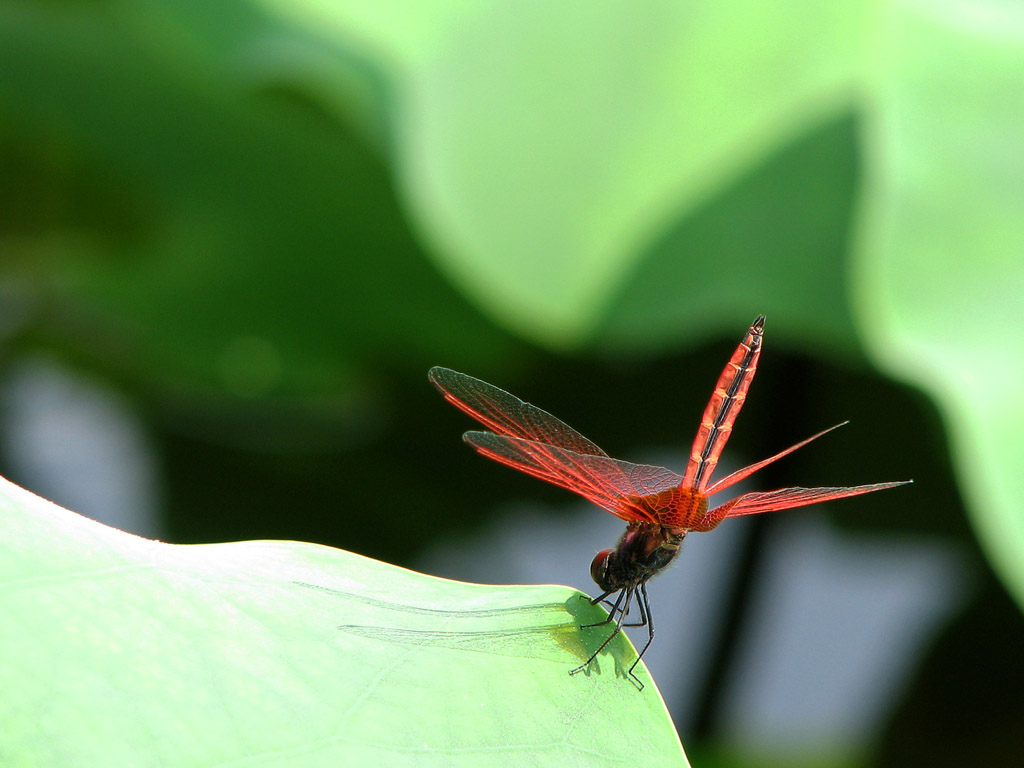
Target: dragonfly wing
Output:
[
  {"x": 506, "y": 414},
  {"x": 787, "y": 498},
  {"x": 743, "y": 474},
  {"x": 617, "y": 486}
]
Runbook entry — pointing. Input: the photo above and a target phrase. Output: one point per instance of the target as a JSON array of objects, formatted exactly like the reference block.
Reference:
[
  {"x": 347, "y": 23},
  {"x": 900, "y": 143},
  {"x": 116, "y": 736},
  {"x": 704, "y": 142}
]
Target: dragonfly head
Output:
[{"x": 599, "y": 569}]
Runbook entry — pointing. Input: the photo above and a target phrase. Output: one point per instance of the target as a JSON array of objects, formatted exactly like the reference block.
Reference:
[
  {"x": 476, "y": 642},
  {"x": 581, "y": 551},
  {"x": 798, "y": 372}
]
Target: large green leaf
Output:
[
  {"x": 125, "y": 651},
  {"x": 543, "y": 145},
  {"x": 174, "y": 209},
  {"x": 772, "y": 242},
  {"x": 942, "y": 279}
]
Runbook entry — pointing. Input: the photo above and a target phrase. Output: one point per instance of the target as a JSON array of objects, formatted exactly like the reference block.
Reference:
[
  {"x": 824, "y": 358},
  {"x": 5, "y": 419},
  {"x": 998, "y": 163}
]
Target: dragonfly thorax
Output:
[
  {"x": 642, "y": 551},
  {"x": 677, "y": 507}
]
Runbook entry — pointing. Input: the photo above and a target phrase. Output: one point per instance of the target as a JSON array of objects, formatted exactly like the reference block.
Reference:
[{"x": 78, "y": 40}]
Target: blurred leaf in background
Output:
[{"x": 243, "y": 231}]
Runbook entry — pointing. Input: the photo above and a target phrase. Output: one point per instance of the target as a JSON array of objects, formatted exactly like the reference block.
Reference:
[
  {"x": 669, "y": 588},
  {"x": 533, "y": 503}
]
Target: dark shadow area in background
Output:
[{"x": 966, "y": 707}]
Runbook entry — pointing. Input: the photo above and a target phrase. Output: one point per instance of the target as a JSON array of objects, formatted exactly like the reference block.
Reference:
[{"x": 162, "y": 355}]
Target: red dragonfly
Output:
[{"x": 660, "y": 506}]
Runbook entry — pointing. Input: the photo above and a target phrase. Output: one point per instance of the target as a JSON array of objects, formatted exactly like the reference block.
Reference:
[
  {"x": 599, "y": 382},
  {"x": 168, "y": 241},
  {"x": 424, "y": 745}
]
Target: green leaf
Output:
[
  {"x": 771, "y": 243},
  {"x": 125, "y": 651},
  {"x": 942, "y": 282},
  {"x": 544, "y": 145},
  {"x": 175, "y": 207}
]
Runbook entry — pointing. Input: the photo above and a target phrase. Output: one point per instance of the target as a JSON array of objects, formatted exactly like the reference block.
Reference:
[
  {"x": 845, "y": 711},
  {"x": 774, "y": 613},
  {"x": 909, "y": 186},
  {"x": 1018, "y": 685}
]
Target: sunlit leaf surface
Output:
[{"x": 126, "y": 651}]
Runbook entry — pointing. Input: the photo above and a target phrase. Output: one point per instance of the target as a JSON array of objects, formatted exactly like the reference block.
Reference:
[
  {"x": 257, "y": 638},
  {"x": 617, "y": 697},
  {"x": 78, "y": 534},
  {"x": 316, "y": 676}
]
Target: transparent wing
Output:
[
  {"x": 787, "y": 498},
  {"x": 617, "y": 486},
  {"x": 743, "y": 474},
  {"x": 506, "y": 414}
]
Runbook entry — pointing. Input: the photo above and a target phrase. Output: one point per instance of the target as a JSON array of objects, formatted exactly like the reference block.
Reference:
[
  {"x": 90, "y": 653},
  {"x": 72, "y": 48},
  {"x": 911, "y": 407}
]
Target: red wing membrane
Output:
[
  {"x": 506, "y": 414},
  {"x": 533, "y": 441},
  {"x": 617, "y": 486},
  {"x": 743, "y": 474},
  {"x": 787, "y": 498}
]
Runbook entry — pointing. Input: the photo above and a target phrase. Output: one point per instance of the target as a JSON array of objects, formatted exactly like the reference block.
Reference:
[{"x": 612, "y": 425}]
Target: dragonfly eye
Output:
[{"x": 599, "y": 568}]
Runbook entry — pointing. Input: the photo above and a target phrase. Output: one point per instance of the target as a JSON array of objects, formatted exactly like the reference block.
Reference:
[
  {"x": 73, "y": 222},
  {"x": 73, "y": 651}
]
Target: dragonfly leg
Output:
[
  {"x": 645, "y": 612},
  {"x": 611, "y": 612},
  {"x": 625, "y": 611},
  {"x": 627, "y": 593},
  {"x": 644, "y": 615}
]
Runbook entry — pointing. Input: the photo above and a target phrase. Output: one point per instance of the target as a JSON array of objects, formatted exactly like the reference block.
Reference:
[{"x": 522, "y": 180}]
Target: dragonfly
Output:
[{"x": 659, "y": 506}]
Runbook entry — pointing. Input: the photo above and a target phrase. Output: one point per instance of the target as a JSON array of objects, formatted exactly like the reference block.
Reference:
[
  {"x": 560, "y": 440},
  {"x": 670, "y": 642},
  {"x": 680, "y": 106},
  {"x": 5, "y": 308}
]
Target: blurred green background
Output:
[{"x": 235, "y": 235}]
